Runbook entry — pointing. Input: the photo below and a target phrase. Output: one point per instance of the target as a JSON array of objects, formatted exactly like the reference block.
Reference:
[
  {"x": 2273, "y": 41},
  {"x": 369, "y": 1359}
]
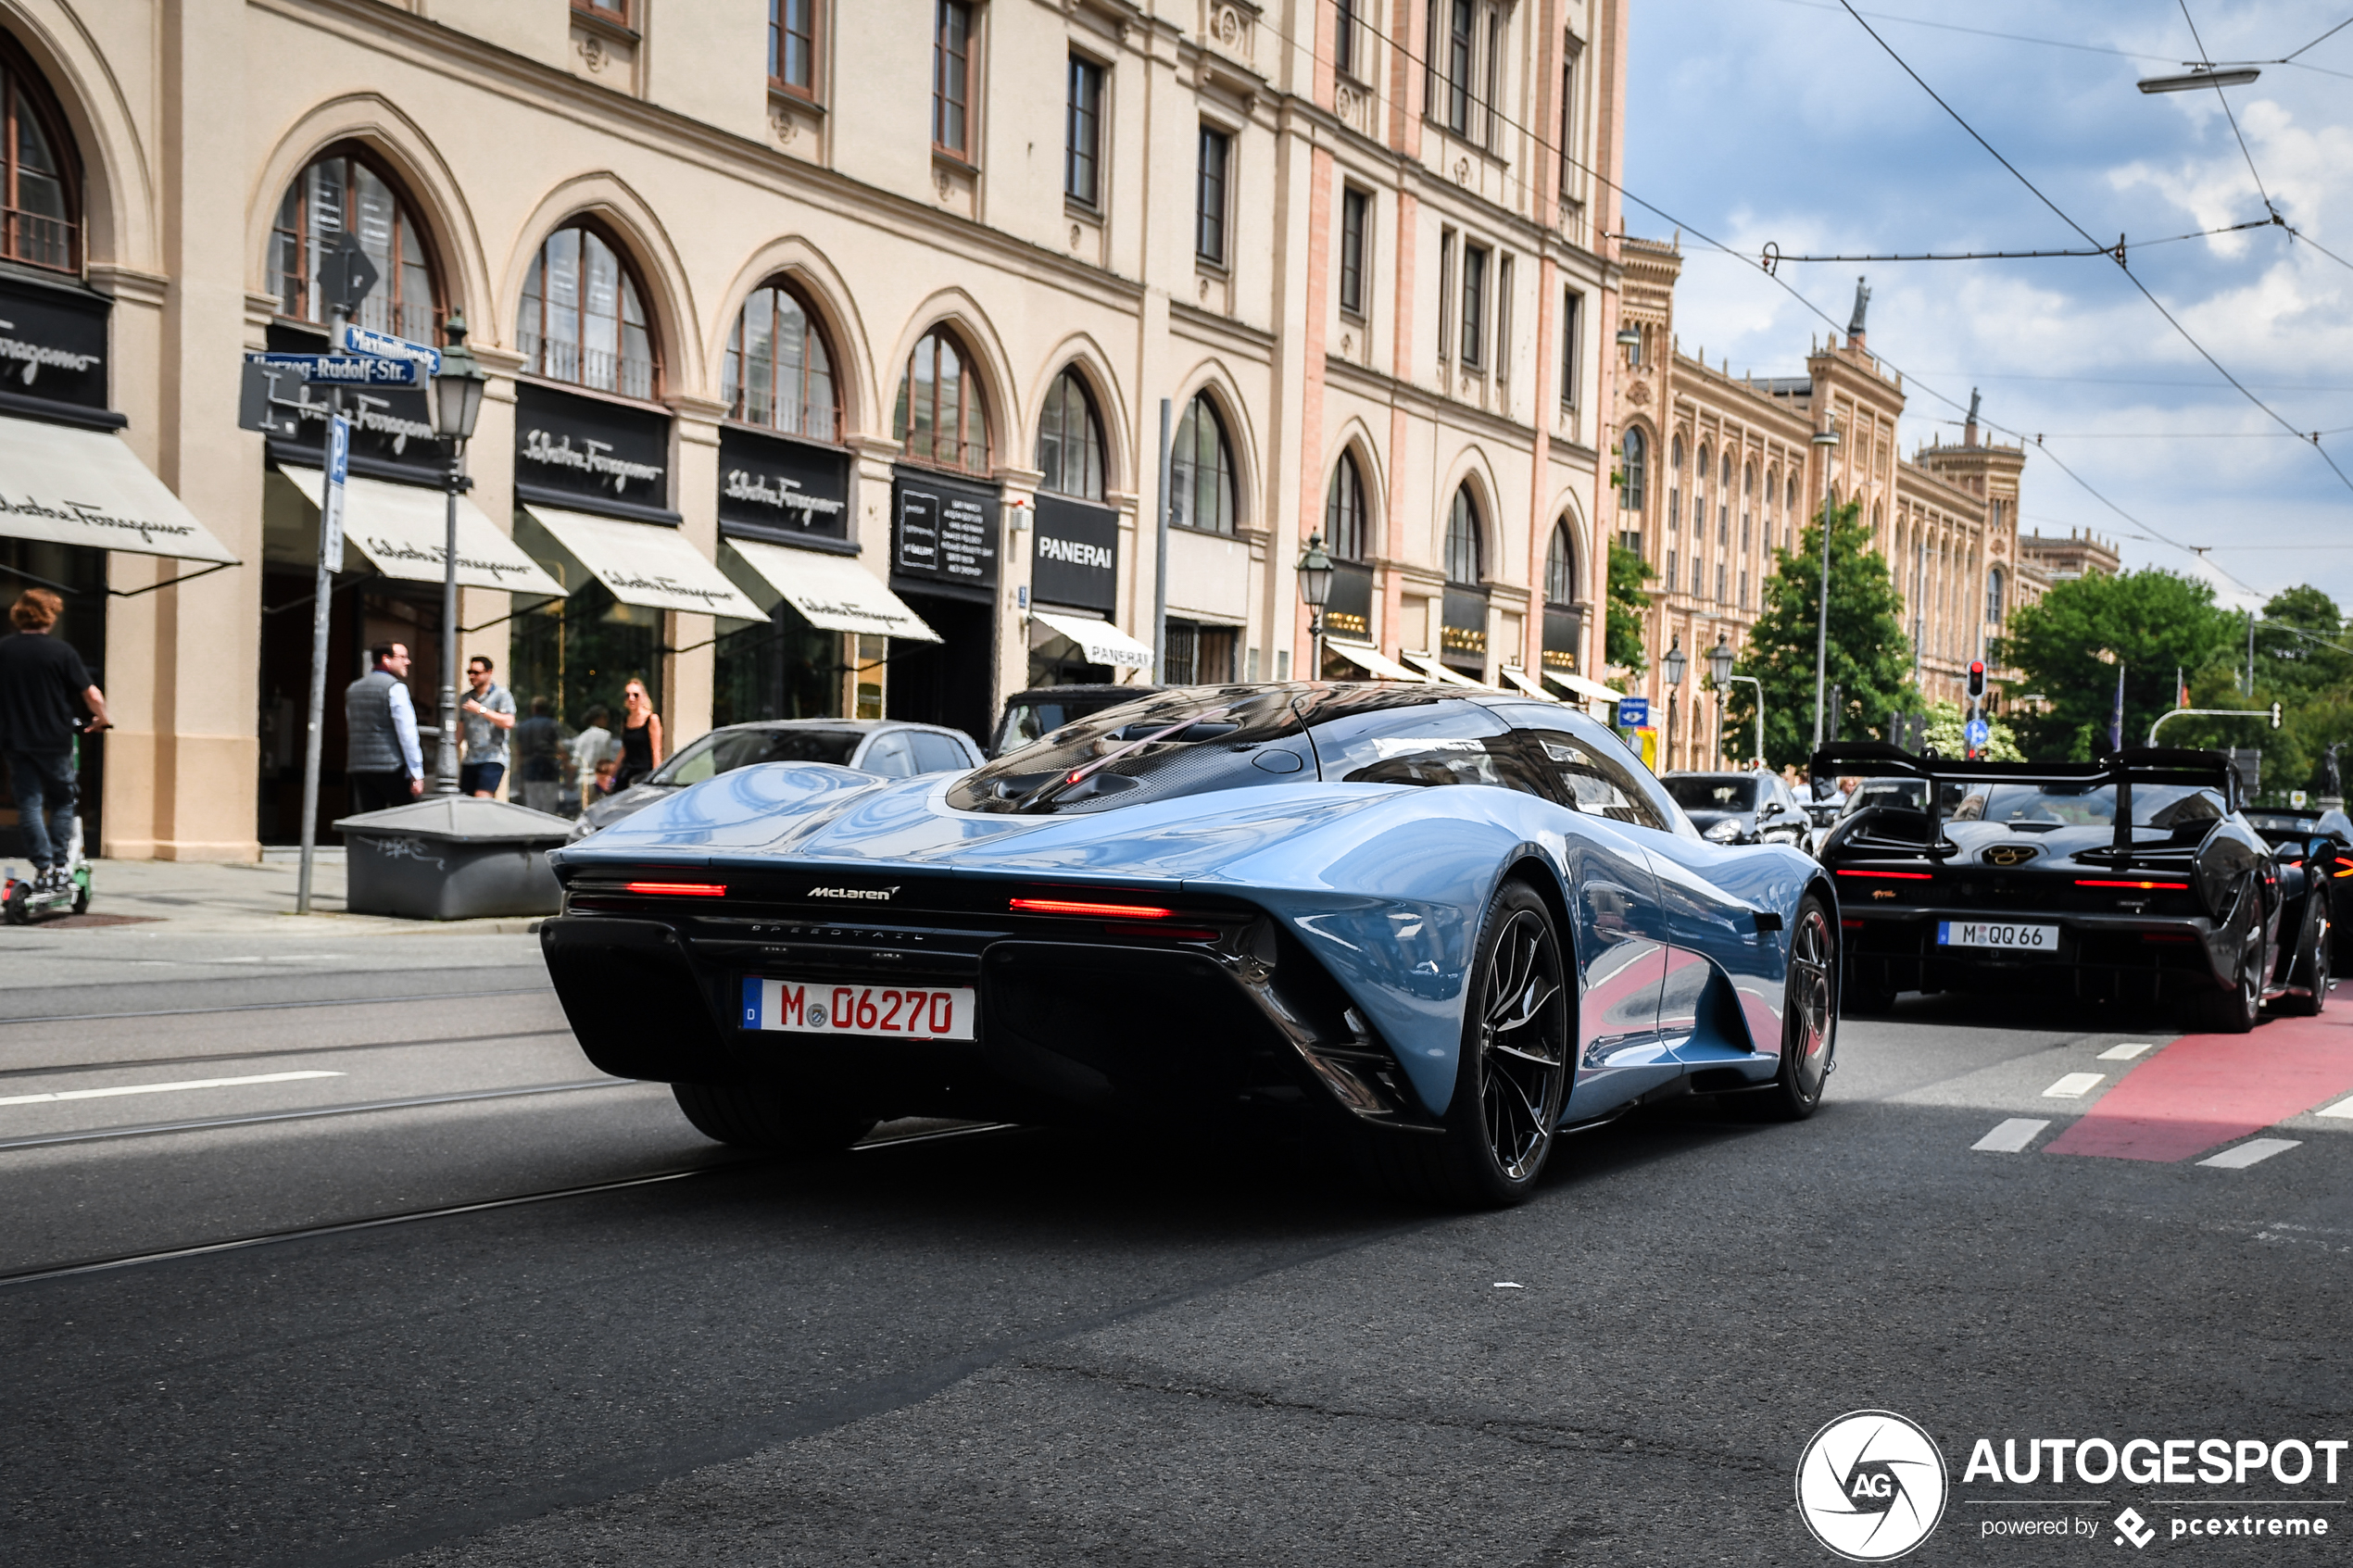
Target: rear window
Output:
[
  {"x": 723, "y": 751},
  {"x": 1713, "y": 795},
  {"x": 1033, "y": 719}
]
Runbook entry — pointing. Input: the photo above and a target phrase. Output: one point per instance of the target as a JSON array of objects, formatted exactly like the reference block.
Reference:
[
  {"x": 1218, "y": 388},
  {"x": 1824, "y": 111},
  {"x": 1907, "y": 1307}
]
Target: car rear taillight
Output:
[
  {"x": 1089, "y": 908},
  {"x": 1899, "y": 876},
  {"x": 2159, "y": 886},
  {"x": 677, "y": 889}
]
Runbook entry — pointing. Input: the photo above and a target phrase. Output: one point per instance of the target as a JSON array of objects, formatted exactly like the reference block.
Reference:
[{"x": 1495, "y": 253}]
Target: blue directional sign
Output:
[
  {"x": 1976, "y": 733},
  {"x": 1633, "y": 712},
  {"x": 348, "y": 370},
  {"x": 384, "y": 346}
]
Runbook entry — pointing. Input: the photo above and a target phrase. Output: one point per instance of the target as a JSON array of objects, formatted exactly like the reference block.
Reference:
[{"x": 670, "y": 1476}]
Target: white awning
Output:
[
  {"x": 832, "y": 593},
  {"x": 1104, "y": 643},
  {"x": 1518, "y": 677},
  {"x": 403, "y": 528},
  {"x": 1583, "y": 687},
  {"x": 64, "y": 485},
  {"x": 647, "y": 564},
  {"x": 1371, "y": 660},
  {"x": 1442, "y": 675}
]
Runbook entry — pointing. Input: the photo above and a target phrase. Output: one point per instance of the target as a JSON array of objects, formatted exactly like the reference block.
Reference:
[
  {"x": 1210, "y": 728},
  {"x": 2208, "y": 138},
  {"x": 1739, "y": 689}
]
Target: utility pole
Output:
[
  {"x": 1825, "y": 442},
  {"x": 1160, "y": 570}
]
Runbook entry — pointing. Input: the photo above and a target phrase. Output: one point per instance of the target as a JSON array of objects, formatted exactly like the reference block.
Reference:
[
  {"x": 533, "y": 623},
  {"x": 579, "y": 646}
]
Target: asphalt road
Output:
[{"x": 1025, "y": 1346}]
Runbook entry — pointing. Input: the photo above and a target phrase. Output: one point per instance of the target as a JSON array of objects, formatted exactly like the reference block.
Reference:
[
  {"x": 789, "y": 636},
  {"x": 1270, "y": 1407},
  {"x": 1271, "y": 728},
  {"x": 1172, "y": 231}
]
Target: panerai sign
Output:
[
  {"x": 586, "y": 446},
  {"x": 785, "y": 491}
]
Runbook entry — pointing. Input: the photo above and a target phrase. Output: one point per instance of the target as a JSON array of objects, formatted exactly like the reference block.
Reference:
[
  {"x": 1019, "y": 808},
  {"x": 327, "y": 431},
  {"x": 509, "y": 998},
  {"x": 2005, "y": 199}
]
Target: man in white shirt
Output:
[
  {"x": 383, "y": 761},
  {"x": 589, "y": 748}
]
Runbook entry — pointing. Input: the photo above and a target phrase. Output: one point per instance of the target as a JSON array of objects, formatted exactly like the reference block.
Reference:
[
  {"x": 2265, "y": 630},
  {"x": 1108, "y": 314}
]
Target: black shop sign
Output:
[
  {"x": 53, "y": 348},
  {"x": 943, "y": 531},
  {"x": 787, "y": 491},
  {"x": 584, "y": 452},
  {"x": 1076, "y": 559}
]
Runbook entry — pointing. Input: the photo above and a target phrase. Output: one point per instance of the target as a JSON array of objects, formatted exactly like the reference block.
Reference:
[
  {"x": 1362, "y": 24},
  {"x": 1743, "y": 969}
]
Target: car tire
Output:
[
  {"x": 1513, "y": 1076},
  {"x": 2312, "y": 969},
  {"x": 768, "y": 1121},
  {"x": 2233, "y": 1010},
  {"x": 1809, "y": 1020}
]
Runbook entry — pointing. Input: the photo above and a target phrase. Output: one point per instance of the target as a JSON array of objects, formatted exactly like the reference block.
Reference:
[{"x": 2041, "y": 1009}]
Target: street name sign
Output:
[
  {"x": 348, "y": 369},
  {"x": 384, "y": 346}
]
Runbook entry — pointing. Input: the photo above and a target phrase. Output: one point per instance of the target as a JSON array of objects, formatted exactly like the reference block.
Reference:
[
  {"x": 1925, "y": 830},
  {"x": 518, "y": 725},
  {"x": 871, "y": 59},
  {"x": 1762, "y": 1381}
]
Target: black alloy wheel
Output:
[
  {"x": 2234, "y": 1009},
  {"x": 2312, "y": 971},
  {"x": 1512, "y": 1077},
  {"x": 1809, "y": 1020},
  {"x": 769, "y": 1120}
]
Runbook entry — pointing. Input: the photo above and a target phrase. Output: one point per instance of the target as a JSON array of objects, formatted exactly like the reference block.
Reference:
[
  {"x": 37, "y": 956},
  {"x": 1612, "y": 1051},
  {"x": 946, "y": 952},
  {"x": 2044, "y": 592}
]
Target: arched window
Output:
[
  {"x": 1792, "y": 492},
  {"x": 1344, "y": 511},
  {"x": 1070, "y": 440},
  {"x": 346, "y": 193},
  {"x": 941, "y": 414},
  {"x": 1560, "y": 567},
  {"x": 1675, "y": 484},
  {"x": 1464, "y": 562},
  {"x": 1201, "y": 470},
  {"x": 44, "y": 187},
  {"x": 1699, "y": 490},
  {"x": 1994, "y": 596},
  {"x": 1724, "y": 507},
  {"x": 1631, "y": 494},
  {"x": 778, "y": 371},
  {"x": 583, "y": 317}
]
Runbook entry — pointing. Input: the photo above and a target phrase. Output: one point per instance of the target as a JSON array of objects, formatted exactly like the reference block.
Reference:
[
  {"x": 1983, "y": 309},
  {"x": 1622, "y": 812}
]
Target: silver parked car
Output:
[{"x": 883, "y": 747}]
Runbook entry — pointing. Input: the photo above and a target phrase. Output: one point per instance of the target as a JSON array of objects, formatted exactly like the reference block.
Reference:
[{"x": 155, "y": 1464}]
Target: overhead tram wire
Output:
[
  {"x": 1773, "y": 257},
  {"x": 2343, "y": 478},
  {"x": 1540, "y": 140},
  {"x": 2225, "y": 98}
]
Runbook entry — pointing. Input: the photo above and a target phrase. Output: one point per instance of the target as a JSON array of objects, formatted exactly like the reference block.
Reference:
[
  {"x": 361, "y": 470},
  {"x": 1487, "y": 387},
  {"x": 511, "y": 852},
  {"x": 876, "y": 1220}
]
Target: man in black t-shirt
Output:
[{"x": 43, "y": 690}]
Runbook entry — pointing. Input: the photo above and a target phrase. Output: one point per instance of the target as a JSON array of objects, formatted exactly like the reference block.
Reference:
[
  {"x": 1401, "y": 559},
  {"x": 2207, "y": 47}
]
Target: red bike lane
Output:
[{"x": 2206, "y": 1090}]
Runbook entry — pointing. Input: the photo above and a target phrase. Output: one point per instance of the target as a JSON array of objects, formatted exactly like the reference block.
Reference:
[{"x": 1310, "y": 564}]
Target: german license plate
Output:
[
  {"x": 1997, "y": 933},
  {"x": 796, "y": 1007}
]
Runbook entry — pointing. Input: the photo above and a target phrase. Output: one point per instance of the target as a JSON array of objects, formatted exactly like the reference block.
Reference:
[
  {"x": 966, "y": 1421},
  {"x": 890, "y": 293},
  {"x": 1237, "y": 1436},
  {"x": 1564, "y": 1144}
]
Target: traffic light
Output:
[
  {"x": 1977, "y": 681},
  {"x": 2275, "y": 715}
]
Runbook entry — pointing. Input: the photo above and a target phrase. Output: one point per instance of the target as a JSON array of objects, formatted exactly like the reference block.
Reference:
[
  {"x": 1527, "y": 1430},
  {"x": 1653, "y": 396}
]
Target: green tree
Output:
[
  {"x": 1944, "y": 733},
  {"x": 1628, "y": 603},
  {"x": 2301, "y": 663},
  {"x": 1871, "y": 660},
  {"x": 2067, "y": 648}
]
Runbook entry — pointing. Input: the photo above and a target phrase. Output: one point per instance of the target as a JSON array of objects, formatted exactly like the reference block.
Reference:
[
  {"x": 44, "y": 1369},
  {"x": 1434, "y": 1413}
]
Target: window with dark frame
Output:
[
  {"x": 1070, "y": 440},
  {"x": 1474, "y": 341},
  {"x": 1460, "y": 41},
  {"x": 1503, "y": 319},
  {"x": 1568, "y": 122},
  {"x": 778, "y": 370},
  {"x": 1636, "y": 452},
  {"x": 1354, "y": 207},
  {"x": 621, "y": 13},
  {"x": 1445, "y": 312},
  {"x": 1572, "y": 356},
  {"x": 951, "y": 45},
  {"x": 44, "y": 196},
  {"x": 1201, "y": 470},
  {"x": 1560, "y": 567},
  {"x": 1464, "y": 564},
  {"x": 344, "y": 191},
  {"x": 1491, "y": 79},
  {"x": 941, "y": 416},
  {"x": 1344, "y": 511},
  {"x": 1083, "y": 133},
  {"x": 584, "y": 318},
  {"x": 792, "y": 45},
  {"x": 1209, "y": 226},
  {"x": 1344, "y": 37}
]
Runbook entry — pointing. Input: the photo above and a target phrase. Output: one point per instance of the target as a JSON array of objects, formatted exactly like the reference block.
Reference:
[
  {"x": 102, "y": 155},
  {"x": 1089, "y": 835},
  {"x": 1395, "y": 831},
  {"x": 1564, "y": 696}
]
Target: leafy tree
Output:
[
  {"x": 2300, "y": 662},
  {"x": 2154, "y": 622},
  {"x": 1871, "y": 659},
  {"x": 1944, "y": 722},
  {"x": 1622, "y": 633}
]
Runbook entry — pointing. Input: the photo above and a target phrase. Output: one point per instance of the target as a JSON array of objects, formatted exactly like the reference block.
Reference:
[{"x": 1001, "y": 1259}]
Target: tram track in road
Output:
[
  {"x": 28, "y": 1020},
  {"x": 282, "y": 1051},
  {"x": 306, "y": 1113},
  {"x": 377, "y": 1221}
]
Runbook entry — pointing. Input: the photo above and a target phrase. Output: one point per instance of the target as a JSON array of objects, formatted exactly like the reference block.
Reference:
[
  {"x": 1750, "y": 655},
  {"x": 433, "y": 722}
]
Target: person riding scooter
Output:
[{"x": 43, "y": 690}]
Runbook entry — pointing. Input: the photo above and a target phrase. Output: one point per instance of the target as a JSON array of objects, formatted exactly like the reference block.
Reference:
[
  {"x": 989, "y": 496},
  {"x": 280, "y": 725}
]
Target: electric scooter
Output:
[{"x": 22, "y": 903}]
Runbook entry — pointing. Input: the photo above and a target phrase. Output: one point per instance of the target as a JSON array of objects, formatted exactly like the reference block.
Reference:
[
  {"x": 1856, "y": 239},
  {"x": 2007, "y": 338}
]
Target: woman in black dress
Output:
[{"x": 640, "y": 736}]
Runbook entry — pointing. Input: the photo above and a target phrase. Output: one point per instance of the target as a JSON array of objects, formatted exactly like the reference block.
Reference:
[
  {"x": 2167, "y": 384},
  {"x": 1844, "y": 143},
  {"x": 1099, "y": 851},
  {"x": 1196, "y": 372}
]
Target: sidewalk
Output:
[{"x": 243, "y": 899}]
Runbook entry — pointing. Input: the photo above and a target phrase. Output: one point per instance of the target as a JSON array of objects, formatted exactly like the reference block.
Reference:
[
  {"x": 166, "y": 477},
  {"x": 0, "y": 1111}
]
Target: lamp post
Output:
[
  {"x": 1315, "y": 571},
  {"x": 456, "y": 397},
  {"x": 1720, "y": 664},
  {"x": 1826, "y": 443},
  {"x": 1672, "y": 666}
]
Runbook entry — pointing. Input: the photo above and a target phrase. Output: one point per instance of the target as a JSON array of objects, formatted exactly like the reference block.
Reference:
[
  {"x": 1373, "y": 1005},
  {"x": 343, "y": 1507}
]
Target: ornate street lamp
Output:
[
  {"x": 455, "y": 400},
  {"x": 1315, "y": 571},
  {"x": 1672, "y": 666},
  {"x": 1826, "y": 443}
]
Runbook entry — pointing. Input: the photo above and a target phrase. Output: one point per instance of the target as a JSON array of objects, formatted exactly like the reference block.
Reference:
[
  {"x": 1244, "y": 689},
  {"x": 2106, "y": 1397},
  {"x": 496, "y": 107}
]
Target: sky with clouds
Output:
[{"x": 1784, "y": 122}]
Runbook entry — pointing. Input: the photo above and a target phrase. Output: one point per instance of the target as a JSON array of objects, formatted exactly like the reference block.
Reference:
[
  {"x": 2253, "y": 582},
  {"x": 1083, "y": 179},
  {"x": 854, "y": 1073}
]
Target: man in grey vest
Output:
[{"x": 386, "y": 765}]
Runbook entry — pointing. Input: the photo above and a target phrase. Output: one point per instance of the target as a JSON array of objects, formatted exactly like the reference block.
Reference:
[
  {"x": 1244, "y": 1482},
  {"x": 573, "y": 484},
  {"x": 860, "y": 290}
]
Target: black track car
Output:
[{"x": 2137, "y": 877}]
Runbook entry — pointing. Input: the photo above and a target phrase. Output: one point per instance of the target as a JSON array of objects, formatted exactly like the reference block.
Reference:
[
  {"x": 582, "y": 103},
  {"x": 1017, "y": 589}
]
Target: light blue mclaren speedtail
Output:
[{"x": 1447, "y": 925}]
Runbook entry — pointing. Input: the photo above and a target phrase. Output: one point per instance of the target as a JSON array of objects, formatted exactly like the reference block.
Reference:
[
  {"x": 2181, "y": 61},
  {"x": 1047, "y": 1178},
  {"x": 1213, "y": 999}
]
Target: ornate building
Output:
[{"x": 1719, "y": 471}]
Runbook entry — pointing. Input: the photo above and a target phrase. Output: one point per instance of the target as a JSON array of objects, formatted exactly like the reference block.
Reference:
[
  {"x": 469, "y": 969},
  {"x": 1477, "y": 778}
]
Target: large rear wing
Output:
[{"x": 2138, "y": 764}]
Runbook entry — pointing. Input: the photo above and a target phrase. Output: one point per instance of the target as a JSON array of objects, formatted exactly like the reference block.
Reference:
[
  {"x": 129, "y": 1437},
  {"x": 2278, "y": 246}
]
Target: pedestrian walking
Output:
[
  {"x": 380, "y": 756},
  {"x": 640, "y": 736},
  {"x": 538, "y": 744},
  {"x": 45, "y": 690},
  {"x": 590, "y": 746},
  {"x": 484, "y": 714}
]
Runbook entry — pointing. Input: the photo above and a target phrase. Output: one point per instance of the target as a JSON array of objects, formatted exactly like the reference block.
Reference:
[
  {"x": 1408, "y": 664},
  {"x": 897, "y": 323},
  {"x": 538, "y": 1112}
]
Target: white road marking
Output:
[
  {"x": 163, "y": 1088},
  {"x": 2074, "y": 1085},
  {"x": 2342, "y": 1107},
  {"x": 2011, "y": 1137},
  {"x": 2248, "y": 1154},
  {"x": 2126, "y": 1051},
  {"x": 1509, "y": 1285}
]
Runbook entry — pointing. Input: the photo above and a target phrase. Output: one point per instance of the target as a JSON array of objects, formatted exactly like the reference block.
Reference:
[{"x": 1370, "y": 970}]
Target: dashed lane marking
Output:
[
  {"x": 2074, "y": 1085},
  {"x": 2342, "y": 1107},
  {"x": 166, "y": 1088},
  {"x": 2250, "y": 1153},
  {"x": 2127, "y": 1050},
  {"x": 2011, "y": 1137}
]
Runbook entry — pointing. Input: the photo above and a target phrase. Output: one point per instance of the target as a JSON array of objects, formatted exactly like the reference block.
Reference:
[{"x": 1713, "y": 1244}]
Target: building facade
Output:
[
  {"x": 1719, "y": 471},
  {"x": 828, "y": 344}
]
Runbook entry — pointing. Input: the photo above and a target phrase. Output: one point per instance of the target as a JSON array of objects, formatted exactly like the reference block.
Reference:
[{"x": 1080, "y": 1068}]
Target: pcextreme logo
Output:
[{"x": 1870, "y": 1486}]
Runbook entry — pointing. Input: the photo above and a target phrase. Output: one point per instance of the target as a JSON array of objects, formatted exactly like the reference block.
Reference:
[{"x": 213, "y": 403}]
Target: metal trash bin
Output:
[{"x": 451, "y": 856}]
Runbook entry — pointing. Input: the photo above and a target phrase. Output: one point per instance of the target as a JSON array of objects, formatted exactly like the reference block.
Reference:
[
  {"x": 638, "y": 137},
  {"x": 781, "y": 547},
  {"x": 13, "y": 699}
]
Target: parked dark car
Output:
[
  {"x": 2282, "y": 824},
  {"x": 1046, "y": 709},
  {"x": 1739, "y": 807},
  {"x": 883, "y": 747}
]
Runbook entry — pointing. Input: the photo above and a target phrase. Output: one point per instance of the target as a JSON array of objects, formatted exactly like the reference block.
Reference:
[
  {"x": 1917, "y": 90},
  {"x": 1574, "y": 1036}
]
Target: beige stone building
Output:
[
  {"x": 1722, "y": 470},
  {"x": 828, "y": 341}
]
